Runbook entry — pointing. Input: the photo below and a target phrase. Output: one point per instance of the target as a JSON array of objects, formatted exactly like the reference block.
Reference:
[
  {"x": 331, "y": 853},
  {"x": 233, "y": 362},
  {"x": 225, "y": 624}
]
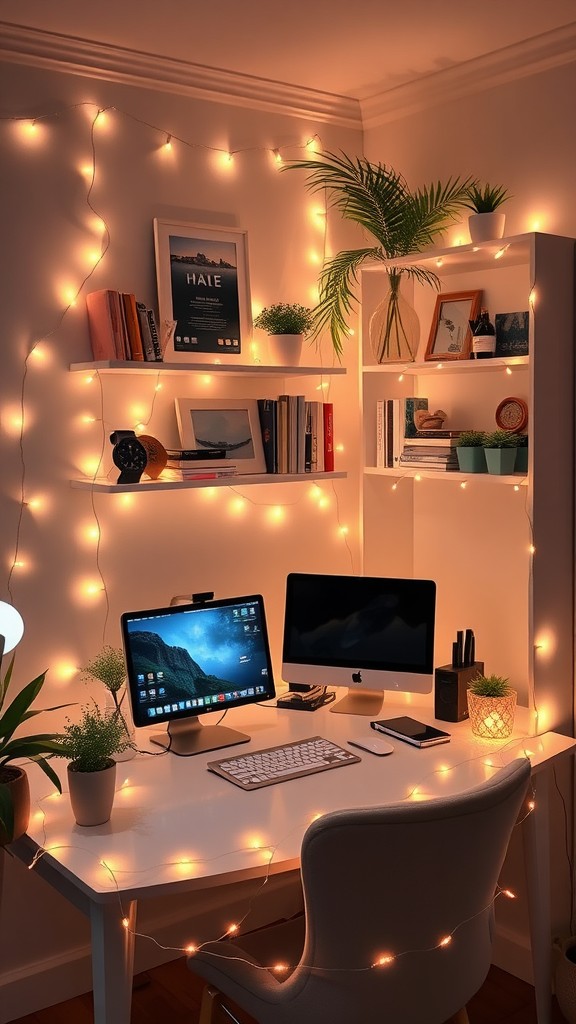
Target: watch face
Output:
[
  {"x": 512, "y": 414},
  {"x": 130, "y": 454}
]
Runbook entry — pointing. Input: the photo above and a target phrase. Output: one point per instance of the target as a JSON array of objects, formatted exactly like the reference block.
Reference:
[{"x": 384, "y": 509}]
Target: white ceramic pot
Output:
[
  {"x": 92, "y": 794},
  {"x": 483, "y": 227},
  {"x": 285, "y": 349}
]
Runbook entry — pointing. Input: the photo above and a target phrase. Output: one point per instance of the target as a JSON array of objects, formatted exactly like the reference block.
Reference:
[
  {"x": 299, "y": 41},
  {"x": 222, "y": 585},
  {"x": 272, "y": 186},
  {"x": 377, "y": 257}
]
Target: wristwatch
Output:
[{"x": 129, "y": 455}]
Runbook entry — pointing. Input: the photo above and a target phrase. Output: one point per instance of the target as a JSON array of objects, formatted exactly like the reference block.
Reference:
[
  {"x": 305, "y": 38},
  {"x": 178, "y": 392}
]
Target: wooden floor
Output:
[{"x": 171, "y": 995}]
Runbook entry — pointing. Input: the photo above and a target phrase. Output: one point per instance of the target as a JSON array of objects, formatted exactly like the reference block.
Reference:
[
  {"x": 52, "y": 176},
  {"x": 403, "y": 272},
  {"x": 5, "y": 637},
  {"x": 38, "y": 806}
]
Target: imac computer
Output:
[
  {"x": 368, "y": 633},
  {"x": 196, "y": 659}
]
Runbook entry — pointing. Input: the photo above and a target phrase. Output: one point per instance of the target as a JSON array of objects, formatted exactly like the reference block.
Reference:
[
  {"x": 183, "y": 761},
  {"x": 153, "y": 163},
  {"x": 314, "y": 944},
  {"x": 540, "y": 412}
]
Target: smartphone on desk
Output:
[{"x": 411, "y": 731}]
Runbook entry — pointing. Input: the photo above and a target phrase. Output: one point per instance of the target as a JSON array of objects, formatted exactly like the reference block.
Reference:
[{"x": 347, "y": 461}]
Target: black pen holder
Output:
[{"x": 450, "y": 691}]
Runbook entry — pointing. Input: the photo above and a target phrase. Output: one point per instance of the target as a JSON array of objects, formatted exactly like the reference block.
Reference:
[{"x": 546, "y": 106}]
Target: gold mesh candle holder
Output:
[{"x": 492, "y": 717}]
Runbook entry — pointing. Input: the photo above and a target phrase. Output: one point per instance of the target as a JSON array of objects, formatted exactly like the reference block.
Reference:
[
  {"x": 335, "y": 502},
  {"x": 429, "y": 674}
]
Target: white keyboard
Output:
[{"x": 279, "y": 764}]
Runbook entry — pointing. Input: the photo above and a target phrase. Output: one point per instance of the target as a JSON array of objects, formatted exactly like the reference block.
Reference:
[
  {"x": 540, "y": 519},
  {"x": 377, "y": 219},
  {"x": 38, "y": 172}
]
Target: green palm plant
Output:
[
  {"x": 37, "y": 747},
  {"x": 402, "y": 222}
]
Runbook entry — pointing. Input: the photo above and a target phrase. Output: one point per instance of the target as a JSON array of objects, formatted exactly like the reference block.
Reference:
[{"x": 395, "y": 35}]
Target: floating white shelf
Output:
[
  {"x": 447, "y": 475},
  {"x": 106, "y": 487},
  {"x": 234, "y": 370},
  {"x": 452, "y": 366}
]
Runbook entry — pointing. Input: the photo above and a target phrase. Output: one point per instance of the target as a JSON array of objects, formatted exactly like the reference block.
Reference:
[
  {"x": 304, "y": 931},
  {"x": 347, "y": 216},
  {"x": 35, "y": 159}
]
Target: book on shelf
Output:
[
  {"x": 437, "y": 434},
  {"x": 133, "y": 335},
  {"x": 195, "y": 454},
  {"x": 159, "y": 355},
  {"x": 426, "y": 452},
  {"x": 328, "y": 420},
  {"x": 267, "y": 410},
  {"x": 430, "y": 442},
  {"x": 102, "y": 324},
  {"x": 395, "y": 423},
  {"x": 204, "y": 474},
  {"x": 316, "y": 437},
  {"x": 282, "y": 435},
  {"x": 120, "y": 327},
  {"x": 150, "y": 354}
]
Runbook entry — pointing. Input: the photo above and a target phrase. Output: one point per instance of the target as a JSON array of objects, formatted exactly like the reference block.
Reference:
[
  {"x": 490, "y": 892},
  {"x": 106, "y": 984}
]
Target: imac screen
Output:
[
  {"x": 189, "y": 660},
  {"x": 364, "y": 632}
]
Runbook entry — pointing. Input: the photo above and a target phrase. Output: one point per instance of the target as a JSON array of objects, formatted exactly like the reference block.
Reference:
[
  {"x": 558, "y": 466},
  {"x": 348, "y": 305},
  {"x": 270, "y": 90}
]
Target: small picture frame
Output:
[
  {"x": 203, "y": 292},
  {"x": 229, "y": 424},
  {"x": 450, "y": 333},
  {"x": 511, "y": 334}
]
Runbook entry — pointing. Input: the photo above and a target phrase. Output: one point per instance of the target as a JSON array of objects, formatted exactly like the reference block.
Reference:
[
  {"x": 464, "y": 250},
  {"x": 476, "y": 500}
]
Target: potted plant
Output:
[
  {"x": 491, "y": 704},
  {"x": 521, "y": 464},
  {"x": 90, "y": 745},
  {"x": 486, "y": 222},
  {"x": 470, "y": 451},
  {"x": 402, "y": 222},
  {"x": 500, "y": 448},
  {"x": 14, "y": 788},
  {"x": 109, "y": 668},
  {"x": 286, "y": 324}
]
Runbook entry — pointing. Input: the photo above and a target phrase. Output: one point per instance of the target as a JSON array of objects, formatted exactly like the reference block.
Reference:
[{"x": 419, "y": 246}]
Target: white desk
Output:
[{"x": 173, "y": 809}]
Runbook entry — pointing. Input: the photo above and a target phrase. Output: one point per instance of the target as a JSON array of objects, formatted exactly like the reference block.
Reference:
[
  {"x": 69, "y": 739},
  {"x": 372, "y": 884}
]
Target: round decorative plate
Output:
[{"x": 512, "y": 414}]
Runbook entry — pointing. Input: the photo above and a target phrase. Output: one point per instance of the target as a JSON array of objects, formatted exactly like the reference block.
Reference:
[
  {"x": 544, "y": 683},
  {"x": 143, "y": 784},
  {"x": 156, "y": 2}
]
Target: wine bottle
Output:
[{"x": 484, "y": 337}]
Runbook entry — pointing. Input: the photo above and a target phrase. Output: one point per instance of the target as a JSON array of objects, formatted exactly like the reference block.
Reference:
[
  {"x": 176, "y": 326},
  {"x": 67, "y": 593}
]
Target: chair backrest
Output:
[{"x": 396, "y": 881}]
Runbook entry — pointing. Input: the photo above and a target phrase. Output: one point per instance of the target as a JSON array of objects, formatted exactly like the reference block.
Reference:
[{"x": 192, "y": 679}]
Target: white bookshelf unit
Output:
[{"x": 501, "y": 549}]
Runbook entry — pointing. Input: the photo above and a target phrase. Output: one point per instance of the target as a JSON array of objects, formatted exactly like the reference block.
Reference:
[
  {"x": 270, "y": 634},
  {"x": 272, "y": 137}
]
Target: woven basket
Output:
[{"x": 492, "y": 717}]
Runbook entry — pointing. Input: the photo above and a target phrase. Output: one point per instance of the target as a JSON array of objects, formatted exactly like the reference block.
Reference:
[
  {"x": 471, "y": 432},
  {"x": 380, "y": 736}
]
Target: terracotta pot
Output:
[
  {"x": 17, "y": 782},
  {"x": 285, "y": 349},
  {"x": 92, "y": 794}
]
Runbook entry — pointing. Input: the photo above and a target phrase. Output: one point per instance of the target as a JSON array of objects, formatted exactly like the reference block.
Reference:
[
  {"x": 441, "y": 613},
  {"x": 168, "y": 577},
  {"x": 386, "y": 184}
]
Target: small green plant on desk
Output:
[
  {"x": 90, "y": 744},
  {"x": 491, "y": 704},
  {"x": 490, "y": 686}
]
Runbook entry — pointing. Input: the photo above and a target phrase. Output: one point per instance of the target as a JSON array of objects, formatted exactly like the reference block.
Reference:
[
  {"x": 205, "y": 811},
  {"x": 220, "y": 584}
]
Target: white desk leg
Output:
[
  {"x": 112, "y": 961},
  {"x": 537, "y": 861}
]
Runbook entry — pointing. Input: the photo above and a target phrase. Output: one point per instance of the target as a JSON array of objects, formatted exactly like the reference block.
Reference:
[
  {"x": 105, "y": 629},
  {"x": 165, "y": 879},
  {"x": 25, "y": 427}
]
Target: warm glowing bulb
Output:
[
  {"x": 445, "y": 941},
  {"x": 532, "y": 297},
  {"x": 508, "y": 371},
  {"x": 531, "y": 805},
  {"x": 351, "y": 332},
  {"x": 35, "y": 504},
  {"x": 280, "y": 968},
  {"x": 277, "y": 156},
  {"x": 101, "y": 119},
  {"x": 87, "y": 170},
  {"x": 322, "y": 386},
  {"x": 70, "y": 296},
  {"x": 439, "y": 366},
  {"x": 313, "y": 256},
  {"x": 191, "y": 948},
  {"x": 238, "y": 506},
  {"x": 384, "y": 961},
  {"x": 508, "y": 892},
  {"x": 158, "y": 386},
  {"x": 344, "y": 530},
  {"x": 516, "y": 487},
  {"x": 125, "y": 922},
  {"x": 232, "y": 929},
  {"x": 400, "y": 376},
  {"x": 463, "y": 485},
  {"x": 311, "y": 145},
  {"x": 418, "y": 477},
  {"x": 30, "y": 128},
  {"x": 498, "y": 255},
  {"x": 439, "y": 263},
  {"x": 532, "y": 549},
  {"x": 168, "y": 143},
  {"x": 394, "y": 487},
  {"x": 323, "y": 502}
]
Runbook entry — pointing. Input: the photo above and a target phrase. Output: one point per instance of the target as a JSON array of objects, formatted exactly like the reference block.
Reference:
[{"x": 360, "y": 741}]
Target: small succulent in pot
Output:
[
  {"x": 285, "y": 318},
  {"x": 471, "y": 439},
  {"x": 501, "y": 439}
]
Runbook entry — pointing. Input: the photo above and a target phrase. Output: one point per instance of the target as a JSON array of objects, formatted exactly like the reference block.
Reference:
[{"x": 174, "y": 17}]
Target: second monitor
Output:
[{"x": 369, "y": 633}]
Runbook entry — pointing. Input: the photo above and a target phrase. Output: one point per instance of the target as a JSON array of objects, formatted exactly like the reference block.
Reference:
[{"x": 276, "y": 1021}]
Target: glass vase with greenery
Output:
[
  {"x": 401, "y": 221},
  {"x": 109, "y": 667}
]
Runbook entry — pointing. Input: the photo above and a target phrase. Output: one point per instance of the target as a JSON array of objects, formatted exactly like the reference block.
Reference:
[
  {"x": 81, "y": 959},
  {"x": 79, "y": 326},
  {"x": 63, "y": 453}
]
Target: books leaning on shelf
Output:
[
  {"x": 297, "y": 435},
  {"x": 121, "y": 328},
  {"x": 201, "y": 471},
  {"x": 440, "y": 456},
  {"x": 395, "y": 423}
]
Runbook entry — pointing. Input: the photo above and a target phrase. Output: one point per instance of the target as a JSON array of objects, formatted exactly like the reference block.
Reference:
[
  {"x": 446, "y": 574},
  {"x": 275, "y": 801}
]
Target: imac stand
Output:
[
  {"x": 359, "y": 702},
  {"x": 188, "y": 736}
]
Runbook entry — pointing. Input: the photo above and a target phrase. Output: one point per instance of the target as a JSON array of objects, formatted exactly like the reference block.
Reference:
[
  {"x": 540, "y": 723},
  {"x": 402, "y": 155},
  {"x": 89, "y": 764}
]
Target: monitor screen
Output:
[
  {"x": 196, "y": 659},
  {"x": 368, "y": 633}
]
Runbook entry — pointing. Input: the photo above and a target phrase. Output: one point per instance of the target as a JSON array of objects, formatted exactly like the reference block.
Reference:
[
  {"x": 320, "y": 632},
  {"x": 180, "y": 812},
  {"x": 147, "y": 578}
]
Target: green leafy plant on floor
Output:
[
  {"x": 401, "y": 222},
  {"x": 37, "y": 747}
]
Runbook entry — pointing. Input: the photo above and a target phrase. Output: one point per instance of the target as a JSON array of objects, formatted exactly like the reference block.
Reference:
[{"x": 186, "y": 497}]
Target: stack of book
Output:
[
  {"x": 297, "y": 435},
  {"x": 199, "y": 464},
  {"x": 430, "y": 449},
  {"x": 121, "y": 328}
]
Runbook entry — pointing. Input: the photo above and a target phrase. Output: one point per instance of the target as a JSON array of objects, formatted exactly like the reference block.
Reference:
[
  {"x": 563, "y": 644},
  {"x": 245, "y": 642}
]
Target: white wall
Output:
[{"x": 167, "y": 543}]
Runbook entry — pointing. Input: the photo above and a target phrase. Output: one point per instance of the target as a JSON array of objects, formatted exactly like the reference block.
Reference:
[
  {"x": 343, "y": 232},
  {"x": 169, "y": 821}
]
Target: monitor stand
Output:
[
  {"x": 359, "y": 702},
  {"x": 188, "y": 736}
]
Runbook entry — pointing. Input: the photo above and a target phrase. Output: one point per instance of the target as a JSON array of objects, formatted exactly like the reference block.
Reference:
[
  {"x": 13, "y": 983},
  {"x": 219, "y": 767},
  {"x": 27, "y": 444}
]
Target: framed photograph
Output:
[
  {"x": 230, "y": 425},
  {"x": 511, "y": 334},
  {"x": 203, "y": 291},
  {"x": 450, "y": 333}
]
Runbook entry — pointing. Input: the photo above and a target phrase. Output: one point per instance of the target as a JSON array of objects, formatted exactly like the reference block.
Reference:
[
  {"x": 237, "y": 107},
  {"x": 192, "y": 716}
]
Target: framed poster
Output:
[
  {"x": 229, "y": 424},
  {"x": 511, "y": 334},
  {"x": 450, "y": 334},
  {"x": 203, "y": 291}
]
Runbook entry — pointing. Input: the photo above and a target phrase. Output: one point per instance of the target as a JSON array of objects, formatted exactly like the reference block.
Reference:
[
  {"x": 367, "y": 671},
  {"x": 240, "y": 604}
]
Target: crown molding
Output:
[
  {"x": 53, "y": 51},
  {"x": 540, "y": 53}
]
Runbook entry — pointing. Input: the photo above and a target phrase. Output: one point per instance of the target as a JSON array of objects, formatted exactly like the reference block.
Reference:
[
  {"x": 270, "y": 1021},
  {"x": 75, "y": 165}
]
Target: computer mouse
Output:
[{"x": 374, "y": 744}]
